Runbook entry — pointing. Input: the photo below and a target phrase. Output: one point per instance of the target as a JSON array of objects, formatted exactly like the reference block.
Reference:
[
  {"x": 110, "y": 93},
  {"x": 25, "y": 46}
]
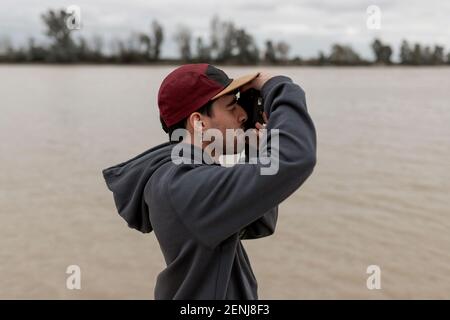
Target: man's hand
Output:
[
  {"x": 260, "y": 126},
  {"x": 258, "y": 82},
  {"x": 255, "y": 143}
]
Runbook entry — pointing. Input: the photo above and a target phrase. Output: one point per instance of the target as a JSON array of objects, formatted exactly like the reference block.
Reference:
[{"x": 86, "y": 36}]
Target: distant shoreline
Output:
[
  {"x": 174, "y": 63},
  {"x": 228, "y": 45}
]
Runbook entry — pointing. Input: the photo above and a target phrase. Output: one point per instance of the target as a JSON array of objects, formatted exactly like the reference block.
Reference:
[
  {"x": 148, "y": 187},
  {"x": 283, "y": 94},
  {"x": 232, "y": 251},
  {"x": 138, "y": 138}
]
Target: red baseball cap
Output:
[{"x": 191, "y": 86}]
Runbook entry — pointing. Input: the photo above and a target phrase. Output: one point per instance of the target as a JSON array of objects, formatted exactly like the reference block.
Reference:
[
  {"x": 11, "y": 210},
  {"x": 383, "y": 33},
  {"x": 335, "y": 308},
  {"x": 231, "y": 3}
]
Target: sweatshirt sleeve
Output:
[
  {"x": 216, "y": 202},
  {"x": 263, "y": 227}
]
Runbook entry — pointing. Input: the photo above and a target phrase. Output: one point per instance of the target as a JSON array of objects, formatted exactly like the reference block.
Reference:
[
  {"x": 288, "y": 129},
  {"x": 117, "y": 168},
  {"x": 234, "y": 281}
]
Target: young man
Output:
[{"x": 200, "y": 211}]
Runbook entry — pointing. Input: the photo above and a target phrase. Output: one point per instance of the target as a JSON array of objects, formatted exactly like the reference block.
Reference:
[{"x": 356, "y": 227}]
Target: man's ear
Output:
[{"x": 196, "y": 122}]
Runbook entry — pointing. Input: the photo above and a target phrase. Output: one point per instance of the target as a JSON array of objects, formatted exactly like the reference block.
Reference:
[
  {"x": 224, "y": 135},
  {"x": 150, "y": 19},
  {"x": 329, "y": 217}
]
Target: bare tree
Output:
[
  {"x": 183, "y": 38},
  {"x": 382, "y": 52},
  {"x": 146, "y": 43},
  {"x": 405, "y": 53},
  {"x": 417, "y": 54},
  {"x": 343, "y": 55},
  {"x": 63, "y": 47},
  {"x": 270, "y": 55},
  {"x": 215, "y": 37},
  {"x": 282, "y": 50},
  {"x": 158, "y": 37},
  {"x": 203, "y": 51},
  {"x": 438, "y": 55}
]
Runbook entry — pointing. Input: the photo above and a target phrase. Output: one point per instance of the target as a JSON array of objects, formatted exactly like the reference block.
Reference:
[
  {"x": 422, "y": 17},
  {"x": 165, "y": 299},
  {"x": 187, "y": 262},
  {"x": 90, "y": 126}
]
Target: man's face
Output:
[{"x": 227, "y": 114}]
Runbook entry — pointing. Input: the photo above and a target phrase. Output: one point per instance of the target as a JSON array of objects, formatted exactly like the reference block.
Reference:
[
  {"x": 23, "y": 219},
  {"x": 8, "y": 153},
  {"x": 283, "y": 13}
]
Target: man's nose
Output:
[{"x": 242, "y": 116}]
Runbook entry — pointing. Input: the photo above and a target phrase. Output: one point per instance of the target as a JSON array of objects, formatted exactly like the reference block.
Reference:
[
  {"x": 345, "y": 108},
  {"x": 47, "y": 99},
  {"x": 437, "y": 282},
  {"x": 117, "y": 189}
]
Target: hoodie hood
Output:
[{"x": 127, "y": 182}]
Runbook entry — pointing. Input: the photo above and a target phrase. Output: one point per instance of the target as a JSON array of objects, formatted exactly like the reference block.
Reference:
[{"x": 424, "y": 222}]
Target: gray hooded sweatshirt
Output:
[{"x": 200, "y": 212}]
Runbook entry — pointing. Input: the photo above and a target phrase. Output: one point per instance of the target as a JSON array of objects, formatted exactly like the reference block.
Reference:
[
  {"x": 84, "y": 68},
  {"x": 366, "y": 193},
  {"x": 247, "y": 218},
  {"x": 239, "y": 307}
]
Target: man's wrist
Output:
[{"x": 269, "y": 84}]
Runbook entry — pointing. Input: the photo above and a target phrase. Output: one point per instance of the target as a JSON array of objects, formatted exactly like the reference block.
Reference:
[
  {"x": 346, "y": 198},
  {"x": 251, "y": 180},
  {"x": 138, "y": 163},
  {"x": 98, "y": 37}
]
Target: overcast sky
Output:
[{"x": 307, "y": 25}]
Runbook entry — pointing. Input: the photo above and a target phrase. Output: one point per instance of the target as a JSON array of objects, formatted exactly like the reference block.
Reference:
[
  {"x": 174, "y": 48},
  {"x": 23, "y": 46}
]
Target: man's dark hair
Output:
[{"x": 205, "y": 110}]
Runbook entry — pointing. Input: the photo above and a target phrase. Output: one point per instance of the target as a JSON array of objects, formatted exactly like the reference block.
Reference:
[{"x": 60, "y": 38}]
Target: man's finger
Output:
[{"x": 246, "y": 86}]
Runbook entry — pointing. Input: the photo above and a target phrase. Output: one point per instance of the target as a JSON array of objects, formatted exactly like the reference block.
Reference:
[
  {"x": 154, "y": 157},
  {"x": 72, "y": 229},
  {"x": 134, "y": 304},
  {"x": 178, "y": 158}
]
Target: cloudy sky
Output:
[{"x": 307, "y": 25}]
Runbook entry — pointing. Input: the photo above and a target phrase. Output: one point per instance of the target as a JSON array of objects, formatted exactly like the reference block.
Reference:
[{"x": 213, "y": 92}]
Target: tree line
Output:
[{"x": 227, "y": 44}]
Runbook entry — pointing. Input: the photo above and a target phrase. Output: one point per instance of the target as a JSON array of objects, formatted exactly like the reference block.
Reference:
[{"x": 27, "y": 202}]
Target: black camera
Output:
[{"x": 252, "y": 102}]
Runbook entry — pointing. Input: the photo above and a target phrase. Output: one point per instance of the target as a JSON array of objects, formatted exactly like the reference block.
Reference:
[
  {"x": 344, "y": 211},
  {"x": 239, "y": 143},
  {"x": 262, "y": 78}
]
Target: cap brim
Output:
[{"x": 235, "y": 84}]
